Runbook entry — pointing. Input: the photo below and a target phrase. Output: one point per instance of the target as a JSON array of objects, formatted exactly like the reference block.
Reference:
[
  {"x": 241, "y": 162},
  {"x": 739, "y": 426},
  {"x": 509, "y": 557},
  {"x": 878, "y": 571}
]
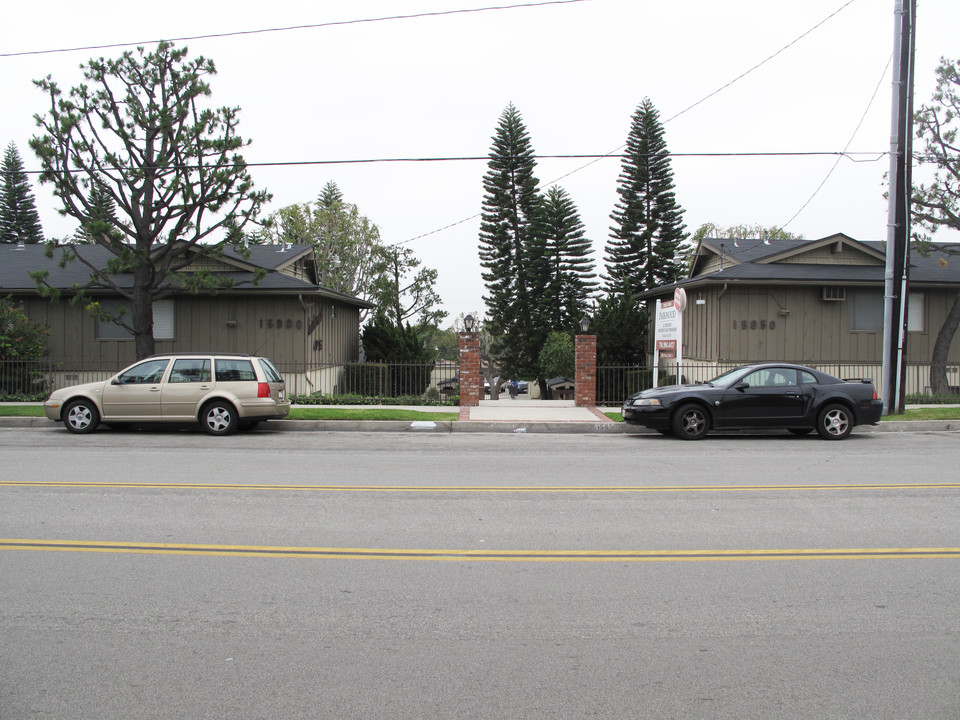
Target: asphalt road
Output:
[{"x": 351, "y": 575}]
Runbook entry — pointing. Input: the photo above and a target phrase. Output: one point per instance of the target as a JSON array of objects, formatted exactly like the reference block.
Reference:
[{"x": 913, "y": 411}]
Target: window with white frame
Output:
[
  {"x": 163, "y": 317},
  {"x": 915, "y": 319}
]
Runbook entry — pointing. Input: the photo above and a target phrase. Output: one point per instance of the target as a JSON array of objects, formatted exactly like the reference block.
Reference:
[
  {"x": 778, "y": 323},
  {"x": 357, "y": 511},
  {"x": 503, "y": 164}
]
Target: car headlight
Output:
[{"x": 647, "y": 402}]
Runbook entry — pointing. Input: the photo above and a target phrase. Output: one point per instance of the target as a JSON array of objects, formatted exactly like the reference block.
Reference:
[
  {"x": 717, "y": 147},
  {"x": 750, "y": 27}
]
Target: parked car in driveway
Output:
[
  {"x": 222, "y": 392},
  {"x": 792, "y": 397}
]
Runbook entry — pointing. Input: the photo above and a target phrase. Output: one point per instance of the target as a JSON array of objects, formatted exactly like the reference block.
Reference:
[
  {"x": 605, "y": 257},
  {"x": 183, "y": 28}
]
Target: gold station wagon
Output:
[{"x": 222, "y": 392}]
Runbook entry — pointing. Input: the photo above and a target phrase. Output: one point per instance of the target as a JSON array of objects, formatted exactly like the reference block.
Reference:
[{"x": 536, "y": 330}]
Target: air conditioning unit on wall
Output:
[{"x": 833, "y": 293}]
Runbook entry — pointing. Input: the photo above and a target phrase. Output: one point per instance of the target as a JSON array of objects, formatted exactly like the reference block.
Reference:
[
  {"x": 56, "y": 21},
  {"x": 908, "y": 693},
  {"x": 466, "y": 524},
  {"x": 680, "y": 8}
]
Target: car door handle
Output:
[
  {"x": 155, "y": 388},
  {"x": 792, "y": 393}
]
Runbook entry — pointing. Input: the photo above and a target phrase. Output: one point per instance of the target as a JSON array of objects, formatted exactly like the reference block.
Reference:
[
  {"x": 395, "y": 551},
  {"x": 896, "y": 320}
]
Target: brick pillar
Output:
[
  {"x": 471, "y": 386},
  {"x": 585, "y": 387}
]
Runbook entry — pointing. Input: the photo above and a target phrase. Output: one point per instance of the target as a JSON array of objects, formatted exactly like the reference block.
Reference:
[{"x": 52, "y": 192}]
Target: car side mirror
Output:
[
  {"x": 742, "y": 385},
  {"x": 115, "y": 381}
]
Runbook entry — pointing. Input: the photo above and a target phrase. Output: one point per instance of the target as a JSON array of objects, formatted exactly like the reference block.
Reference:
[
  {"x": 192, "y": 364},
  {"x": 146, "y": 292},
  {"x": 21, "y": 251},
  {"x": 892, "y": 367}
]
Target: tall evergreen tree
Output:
[
  {"x": 510, "y": 249},
  {"x": 648, "y": 230},
  {"x": 567, "y": 268},
  {"x": 101, "y": 223},
  {"x": 19, "y": 219},
  {"x": 330, "y": 195}
]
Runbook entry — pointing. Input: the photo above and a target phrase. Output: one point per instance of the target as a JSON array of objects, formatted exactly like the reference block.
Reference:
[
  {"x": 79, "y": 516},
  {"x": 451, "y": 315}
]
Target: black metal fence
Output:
[
  {"x": 617, "y": 382},
  {"x": 343, "y": 383},
  {"x": 25, "y": 380},
  {"x": 432, "y": 383},
  {"x": 373, "y": 383}
]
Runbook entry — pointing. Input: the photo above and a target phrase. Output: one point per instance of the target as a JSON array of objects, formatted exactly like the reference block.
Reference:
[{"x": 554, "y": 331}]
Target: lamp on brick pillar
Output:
[
  {"x": 470, "y": 387},
  {"x": 585, "y": 354}
]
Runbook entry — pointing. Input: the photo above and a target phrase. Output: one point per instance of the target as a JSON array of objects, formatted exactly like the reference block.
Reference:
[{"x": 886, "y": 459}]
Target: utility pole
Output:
[{"x": 896, "y": 276}]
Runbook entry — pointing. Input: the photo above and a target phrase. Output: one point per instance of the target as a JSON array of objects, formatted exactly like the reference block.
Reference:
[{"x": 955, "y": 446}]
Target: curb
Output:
[{"x": 481, "y": 426}]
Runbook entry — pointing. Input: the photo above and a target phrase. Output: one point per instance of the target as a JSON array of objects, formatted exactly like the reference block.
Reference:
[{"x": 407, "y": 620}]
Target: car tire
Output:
[
  {"x": 691, "y": 422},
  {"x": 219, "y": 417},
  {"x": 81, "y": 417},
  {"x": 834, "y": 422}
]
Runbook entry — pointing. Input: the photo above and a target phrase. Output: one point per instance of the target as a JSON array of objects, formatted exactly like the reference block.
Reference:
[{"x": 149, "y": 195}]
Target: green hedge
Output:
[{"x": 370, "y": 400}]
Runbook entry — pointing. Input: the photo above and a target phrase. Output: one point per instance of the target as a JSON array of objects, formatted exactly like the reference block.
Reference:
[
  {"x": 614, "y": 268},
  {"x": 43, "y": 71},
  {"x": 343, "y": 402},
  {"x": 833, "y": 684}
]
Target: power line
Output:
[
  {"x": 313, "y": 26},
  {"x": 762, "y": 62},
  {"x": 739, "y": 77},
  {"x": 852, "y": 136},
  {"x": 871, "y": 156}
]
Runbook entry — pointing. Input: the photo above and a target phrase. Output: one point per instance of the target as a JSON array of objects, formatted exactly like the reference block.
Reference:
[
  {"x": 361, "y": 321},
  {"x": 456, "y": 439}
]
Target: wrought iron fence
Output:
[
  {"x": 433, "y": 383},
  {"x": 373, "y": 383},
  {"x": 617, "y": 382},
  {"x": 344, "y": 383},
  {"x": 25, "y": 380}
]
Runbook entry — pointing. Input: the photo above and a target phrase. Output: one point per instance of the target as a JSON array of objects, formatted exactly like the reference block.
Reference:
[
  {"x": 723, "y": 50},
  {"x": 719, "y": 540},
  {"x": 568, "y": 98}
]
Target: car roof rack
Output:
[{"x": 198, "y": 354}]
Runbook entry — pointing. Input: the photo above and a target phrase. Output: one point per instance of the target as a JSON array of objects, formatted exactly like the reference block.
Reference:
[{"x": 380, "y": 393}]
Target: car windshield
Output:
[{"x": 726, "y": 379}]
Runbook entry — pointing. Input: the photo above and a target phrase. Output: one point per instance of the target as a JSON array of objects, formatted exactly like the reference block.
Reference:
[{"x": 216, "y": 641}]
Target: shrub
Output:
[{"x": 23, "y": 344}]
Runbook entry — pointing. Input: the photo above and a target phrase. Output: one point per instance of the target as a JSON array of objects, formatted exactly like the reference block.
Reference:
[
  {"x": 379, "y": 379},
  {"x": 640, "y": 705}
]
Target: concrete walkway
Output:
[{"x": 501, "y": 416}]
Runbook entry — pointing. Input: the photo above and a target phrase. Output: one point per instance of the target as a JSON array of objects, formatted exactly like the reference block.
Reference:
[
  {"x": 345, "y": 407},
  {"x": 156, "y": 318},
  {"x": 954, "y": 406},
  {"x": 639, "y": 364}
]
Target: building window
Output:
[
  {"x": 915, "y": 319},
  {"x": 162, "y": 320},
  {"x": 866, "y": 310}
]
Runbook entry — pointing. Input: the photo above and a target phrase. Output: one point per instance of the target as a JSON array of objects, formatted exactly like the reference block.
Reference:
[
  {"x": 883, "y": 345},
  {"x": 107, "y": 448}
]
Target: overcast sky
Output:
[{"x": 435, "y": 86}]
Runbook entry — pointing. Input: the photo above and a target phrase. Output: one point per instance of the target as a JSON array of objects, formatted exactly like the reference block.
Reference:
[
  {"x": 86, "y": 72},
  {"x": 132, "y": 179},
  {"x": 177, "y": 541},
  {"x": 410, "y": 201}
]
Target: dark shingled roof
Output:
[
  {"x": 16, "y": 264},
  {"x": 754, "y": 261}
]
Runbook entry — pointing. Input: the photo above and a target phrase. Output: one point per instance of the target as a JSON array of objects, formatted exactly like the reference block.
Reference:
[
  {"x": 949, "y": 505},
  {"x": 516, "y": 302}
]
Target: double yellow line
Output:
[
  {"x": 608, "y": 556},
  {"x": 481, "y": 488}
]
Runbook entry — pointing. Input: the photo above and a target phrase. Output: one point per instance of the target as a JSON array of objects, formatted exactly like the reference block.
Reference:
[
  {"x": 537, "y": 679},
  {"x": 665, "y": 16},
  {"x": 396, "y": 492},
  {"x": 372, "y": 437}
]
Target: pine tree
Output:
[
  {"x": 569, "y": 279},
  {"x": 330, "y": 195},
  {"x": 510, "y": 249},
  {"x": 648, "y": 232},
  {"x": 19, "y": 220},
  {"x": 101, "y": 222}
]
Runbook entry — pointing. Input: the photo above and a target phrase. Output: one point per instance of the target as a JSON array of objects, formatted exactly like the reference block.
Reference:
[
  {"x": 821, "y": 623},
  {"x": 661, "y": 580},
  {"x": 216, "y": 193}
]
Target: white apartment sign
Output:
[{"x": 668, "y": 331}]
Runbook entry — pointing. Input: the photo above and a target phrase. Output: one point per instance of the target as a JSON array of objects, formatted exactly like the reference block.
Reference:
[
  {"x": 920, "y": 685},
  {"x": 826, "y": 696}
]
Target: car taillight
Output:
[
  {"x": 263, "y": 390},
  {"x": 875, "y": 395}
]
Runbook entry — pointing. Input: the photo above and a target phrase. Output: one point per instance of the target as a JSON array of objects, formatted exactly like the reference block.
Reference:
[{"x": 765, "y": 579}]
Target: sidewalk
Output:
[{"x": 503, "y": 416}]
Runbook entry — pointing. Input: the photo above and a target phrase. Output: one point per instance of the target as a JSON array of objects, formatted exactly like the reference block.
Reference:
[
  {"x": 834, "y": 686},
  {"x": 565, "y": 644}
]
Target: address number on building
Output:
[
  {"x": 754, "y": 324},
  {"x": 281, "y": 324}
]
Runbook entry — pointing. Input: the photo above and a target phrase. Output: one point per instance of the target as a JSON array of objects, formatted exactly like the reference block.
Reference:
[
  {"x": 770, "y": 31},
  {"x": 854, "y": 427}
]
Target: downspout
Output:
[
  {"x": 306, "y": 341},
  {"x": 720, "y": 295}
]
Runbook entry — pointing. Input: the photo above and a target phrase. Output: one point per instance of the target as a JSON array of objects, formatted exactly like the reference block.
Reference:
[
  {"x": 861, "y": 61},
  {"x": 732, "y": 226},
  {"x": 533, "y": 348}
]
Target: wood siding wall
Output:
[
  {"x": 745, "y": 324},
  {"x": 315, "y": 331}
]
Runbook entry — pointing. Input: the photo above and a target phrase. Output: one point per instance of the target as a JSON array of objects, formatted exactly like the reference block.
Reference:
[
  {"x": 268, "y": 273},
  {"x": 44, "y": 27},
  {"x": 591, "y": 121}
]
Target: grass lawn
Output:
[
  {"x": 933, "y": 413},
  {"x": 361, "y": 413},
  {"x": 386, "y": 413},
  {"x": 296, "y": 413}
]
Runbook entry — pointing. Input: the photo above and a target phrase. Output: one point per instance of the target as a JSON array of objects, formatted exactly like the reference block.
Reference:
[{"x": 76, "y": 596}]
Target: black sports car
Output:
[{"x": 770, "y": 395}]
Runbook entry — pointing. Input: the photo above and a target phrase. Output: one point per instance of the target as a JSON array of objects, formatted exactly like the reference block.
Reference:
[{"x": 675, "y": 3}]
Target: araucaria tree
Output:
[
  {"x": 138, "y": 137},
  {"x": 567, "y": 267},
  {"x": 646, "y": 240},
  {"x": 936, "y": 205},
  {"x": 510, "y": 248},
  {"x": 19, "y": 220}
]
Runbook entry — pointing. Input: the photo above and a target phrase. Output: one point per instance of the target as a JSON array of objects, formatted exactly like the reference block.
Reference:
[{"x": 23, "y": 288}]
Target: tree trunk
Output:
[
  {"x": 142, "y": 311},
  {"x": 546, "y": 393},
  {"x": 941, "y": 350}
]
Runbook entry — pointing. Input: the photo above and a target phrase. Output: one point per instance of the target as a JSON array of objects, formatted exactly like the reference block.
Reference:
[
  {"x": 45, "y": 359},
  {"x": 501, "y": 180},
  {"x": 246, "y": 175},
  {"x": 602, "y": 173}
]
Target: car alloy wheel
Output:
[
  {"x": 834, "y": 422},
  {"x": 691, "y": 422},
  {"x": 219, "y": 418},
  {"x": 81, "y": 416}
]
